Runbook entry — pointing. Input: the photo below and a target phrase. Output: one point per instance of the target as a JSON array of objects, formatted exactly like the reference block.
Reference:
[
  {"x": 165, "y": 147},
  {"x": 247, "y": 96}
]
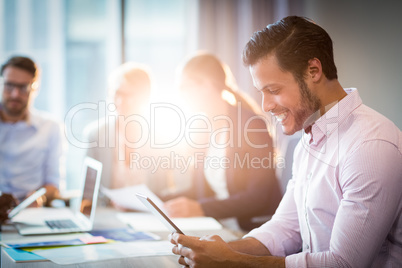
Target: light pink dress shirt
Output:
[{"x": 343, "y": 206}]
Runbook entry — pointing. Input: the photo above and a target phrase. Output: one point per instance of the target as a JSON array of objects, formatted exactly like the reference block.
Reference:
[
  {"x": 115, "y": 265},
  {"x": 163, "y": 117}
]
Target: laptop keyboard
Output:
[{"x": 61, "y": 224}]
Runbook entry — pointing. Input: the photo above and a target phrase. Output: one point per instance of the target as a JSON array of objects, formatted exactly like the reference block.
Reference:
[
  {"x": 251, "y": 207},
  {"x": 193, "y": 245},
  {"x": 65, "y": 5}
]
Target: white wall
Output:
[{"x": 367, "y": 39}]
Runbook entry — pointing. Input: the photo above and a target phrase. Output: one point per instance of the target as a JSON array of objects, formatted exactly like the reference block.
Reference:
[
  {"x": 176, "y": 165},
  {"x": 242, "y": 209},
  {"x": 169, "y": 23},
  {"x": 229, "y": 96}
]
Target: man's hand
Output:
[
  {"x": 52, "y": 192},
  {"x": 7, "y": 201},
  {"x": 183, "y": 207},
  {"x": 45, "y": 200},
  {"x": 212, "y": 251},
  {"x": 207, "y": 251}
]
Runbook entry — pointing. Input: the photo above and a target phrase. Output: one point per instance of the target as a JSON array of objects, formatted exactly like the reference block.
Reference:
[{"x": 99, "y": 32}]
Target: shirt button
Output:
[{"x": 307, "y": 247}]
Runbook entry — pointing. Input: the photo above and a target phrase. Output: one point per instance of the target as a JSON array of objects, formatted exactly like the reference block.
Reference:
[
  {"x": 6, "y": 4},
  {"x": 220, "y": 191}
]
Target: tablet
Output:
[
  {"x": 29, "y": 200},
  {"x": 159, "y": 213}
]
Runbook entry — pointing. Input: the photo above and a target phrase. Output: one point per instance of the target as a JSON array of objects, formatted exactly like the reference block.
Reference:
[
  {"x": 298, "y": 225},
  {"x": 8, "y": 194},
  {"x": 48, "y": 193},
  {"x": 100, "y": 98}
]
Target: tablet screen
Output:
[
  {"x": 29, "y": 200},
  {"x": 159, "y": 213}
]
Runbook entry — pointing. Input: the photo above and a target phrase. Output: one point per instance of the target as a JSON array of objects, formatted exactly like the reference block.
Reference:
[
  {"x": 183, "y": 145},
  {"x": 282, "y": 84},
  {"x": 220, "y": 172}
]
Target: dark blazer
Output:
[{"x": 253, "y": 189}]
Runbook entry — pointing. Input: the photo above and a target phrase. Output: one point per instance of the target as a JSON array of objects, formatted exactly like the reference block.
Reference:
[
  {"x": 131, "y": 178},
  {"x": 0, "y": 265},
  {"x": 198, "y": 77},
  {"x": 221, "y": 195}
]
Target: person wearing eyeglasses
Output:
[{"x": 30, "y": 140}]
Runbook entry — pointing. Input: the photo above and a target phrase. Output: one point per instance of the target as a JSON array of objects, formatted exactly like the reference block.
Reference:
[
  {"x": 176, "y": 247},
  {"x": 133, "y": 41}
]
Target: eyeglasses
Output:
[{"x": 22, "y": 88}]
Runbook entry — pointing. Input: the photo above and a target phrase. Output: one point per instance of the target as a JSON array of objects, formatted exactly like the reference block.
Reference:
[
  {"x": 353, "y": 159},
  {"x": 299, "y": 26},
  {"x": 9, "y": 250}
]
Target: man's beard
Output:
[
  {"x": 14, "y": 111},
  {"x": 309, "y": 104}
]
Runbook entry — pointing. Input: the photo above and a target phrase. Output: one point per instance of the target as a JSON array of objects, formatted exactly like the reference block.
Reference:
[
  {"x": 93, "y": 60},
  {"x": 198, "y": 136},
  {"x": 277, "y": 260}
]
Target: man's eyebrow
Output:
[{"x": 268, "y": 86}]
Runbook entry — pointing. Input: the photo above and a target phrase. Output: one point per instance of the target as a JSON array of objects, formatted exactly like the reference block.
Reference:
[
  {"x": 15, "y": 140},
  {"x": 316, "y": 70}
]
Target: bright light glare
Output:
[
  {"x": 228, "y": 97},
  {"x": 168, "y": 118}
]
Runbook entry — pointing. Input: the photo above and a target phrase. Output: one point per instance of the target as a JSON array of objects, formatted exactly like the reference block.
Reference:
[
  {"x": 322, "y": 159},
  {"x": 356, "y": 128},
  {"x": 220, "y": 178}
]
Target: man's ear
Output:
[
  {"x": 314, "y": 70},
  {"x": 35, "y": 89}
]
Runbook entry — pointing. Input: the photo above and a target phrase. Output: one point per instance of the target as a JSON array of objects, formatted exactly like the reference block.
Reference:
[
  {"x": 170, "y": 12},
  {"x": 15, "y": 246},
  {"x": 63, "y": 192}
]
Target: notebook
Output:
[{"x": 80, "y": 218}]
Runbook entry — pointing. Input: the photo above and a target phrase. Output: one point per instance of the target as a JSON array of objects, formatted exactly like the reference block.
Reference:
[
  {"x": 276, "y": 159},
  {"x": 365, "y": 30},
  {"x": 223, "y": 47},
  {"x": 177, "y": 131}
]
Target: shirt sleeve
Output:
[
  {"x": 281, "y": 235},
  {"x": 371, "y": 182}
]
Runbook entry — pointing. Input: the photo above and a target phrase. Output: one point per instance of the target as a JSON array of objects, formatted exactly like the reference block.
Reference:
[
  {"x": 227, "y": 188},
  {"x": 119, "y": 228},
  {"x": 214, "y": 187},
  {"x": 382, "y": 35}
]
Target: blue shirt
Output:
[{"x": 30, "y": 154}]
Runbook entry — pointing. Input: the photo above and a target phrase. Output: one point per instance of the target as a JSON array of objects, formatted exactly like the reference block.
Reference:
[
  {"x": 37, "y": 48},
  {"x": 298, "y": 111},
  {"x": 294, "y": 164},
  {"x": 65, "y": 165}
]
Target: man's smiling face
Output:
[{"x": 289, "y": 101}]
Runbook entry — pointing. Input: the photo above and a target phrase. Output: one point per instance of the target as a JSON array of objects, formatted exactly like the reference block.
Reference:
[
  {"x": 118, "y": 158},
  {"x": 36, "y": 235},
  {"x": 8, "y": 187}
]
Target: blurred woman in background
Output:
[{"x": 234, "y": 172}]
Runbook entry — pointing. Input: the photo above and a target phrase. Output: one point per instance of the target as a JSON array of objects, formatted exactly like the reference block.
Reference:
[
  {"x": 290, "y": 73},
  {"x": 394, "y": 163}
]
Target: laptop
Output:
[{"x": 78, "y": 218}]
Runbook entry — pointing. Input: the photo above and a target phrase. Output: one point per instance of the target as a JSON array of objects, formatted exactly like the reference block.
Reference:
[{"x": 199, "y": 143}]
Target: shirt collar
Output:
[
  {"x": 33, "y": 119},
  {"x": 326, "y": 124}
]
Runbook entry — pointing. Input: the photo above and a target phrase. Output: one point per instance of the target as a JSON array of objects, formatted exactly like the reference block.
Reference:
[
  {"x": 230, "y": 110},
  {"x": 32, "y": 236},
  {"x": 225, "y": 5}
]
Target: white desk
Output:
[{"x": 106, "y": 218}]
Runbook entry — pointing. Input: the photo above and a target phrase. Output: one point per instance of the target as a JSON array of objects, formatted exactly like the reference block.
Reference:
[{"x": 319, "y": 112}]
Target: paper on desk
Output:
[
  {"x": 148, "y": 222},
  {"x": 125, "y": 234},
  {"x": 19, "y": 255},
  {"x": 73, "y": 242},
  {"x": 125, "y": 197},
  {"x": 80, "y": 254},
  {"x": 18, "y": 239},
  {"x": 57, "y": 243}
]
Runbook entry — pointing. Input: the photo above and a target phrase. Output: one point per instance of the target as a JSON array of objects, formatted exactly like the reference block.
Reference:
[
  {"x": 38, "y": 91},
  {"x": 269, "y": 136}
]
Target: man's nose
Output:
[
  {"x": 268, "y": 103},
  {"x": 15, "y": 92}
]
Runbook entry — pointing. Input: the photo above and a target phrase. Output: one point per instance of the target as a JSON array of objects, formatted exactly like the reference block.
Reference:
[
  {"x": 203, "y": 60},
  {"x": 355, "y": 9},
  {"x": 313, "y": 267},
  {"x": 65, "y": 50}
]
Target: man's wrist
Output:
[
  {"x": 242, "y": 260},
  {"x": 250, "y": 245}
]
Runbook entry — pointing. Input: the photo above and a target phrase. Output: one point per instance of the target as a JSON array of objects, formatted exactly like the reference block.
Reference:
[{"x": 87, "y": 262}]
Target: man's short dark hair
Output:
[
  {"x": 22, "y": 63},
  {"x": 294, "y": 41}
]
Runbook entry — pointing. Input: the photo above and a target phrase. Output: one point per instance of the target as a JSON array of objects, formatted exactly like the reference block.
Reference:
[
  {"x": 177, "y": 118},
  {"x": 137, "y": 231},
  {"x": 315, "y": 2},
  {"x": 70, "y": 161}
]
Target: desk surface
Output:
[{"x": 106, "y": 218}]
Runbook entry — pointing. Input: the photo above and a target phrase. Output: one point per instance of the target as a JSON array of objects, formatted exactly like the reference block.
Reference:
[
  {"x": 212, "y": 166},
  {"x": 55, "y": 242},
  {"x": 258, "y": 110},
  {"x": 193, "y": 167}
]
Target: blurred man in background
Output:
[
  {"x": 30, "y": 141},
  {"x": 122, "y": 136}
]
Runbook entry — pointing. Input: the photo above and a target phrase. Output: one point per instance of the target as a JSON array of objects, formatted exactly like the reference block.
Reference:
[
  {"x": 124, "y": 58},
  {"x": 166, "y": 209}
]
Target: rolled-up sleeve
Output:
[{"x": 281, "y": 235}]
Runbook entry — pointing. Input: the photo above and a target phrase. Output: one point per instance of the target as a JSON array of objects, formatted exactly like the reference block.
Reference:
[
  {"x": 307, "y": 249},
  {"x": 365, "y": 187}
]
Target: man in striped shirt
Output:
[{"x": 343, "y": 205}]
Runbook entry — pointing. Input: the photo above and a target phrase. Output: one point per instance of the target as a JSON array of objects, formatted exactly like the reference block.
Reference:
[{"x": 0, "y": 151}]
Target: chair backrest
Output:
[{"x": 284, "y": 148}]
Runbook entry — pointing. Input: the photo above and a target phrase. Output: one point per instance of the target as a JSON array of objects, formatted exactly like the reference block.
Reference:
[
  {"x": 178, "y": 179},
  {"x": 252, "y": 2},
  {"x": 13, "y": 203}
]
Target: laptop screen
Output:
[
  {"x": 89, "y": 187},
  {"x": 91, "y": 180}
]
